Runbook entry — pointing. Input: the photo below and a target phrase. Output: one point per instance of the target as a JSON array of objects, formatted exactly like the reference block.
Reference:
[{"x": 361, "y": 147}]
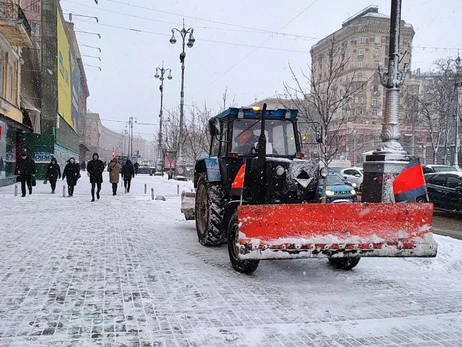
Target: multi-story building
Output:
[
  {"x": 15, "y": 34},
  {"x": 108, "y": 143},
  {"x": 362, "y": 46}
]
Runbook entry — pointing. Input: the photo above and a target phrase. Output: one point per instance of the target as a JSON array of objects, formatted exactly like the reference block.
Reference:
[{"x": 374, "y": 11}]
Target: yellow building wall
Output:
[{"x": 64, "y": 75}]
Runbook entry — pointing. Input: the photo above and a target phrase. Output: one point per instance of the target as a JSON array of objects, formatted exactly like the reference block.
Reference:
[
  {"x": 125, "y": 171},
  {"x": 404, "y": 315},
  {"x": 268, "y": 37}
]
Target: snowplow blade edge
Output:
[{"x": 336, "y": 230}]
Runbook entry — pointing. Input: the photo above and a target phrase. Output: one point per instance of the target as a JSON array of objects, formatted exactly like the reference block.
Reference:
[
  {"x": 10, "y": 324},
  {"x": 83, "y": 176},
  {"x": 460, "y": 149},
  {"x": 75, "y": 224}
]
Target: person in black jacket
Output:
[
  {"x": 53, "y": 173},
  {"x": 72, "y": 173},
  {"x": 128, "y": 172},
  {"x": 95, "y": 170},
  {"x": 25, "y": 168},
  {"x": 136, "y": 166}
]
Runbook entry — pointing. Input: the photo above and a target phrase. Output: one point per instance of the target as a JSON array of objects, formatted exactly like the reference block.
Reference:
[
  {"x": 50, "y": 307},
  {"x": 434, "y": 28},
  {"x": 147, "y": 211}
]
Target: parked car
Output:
[
  {"x": 337, "y": 190},
  {"x": 438, "y": 168},
  {"x": 354, "y": 175},
  {"x": 445, "y": 189}
]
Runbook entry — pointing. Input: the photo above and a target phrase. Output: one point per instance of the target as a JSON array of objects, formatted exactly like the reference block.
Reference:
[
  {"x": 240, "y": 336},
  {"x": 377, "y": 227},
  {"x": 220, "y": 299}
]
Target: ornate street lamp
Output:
[
  {"x": 183, "y": 33},
  {"x": 160, "y": 75}
]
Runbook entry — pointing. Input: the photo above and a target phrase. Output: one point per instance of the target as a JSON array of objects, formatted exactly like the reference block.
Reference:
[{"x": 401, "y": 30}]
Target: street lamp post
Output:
[
  {"x": 388, "y": 161},
  {"x": 131, "y": 120},
  {"x": 459, "y": 91},
  {"x": 183, "y": 33},
  {"x": 160, "y": 75}
]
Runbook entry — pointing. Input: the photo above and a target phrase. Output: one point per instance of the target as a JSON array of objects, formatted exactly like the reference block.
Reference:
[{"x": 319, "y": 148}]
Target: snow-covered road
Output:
[{"x": 128, "y": 271}]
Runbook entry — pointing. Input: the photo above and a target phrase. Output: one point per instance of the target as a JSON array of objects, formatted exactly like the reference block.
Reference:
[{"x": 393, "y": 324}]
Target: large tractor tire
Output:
[
  {"x": 210, "y": 210},
  {"x": 344, "y": 263},
  {"x": 244, "y": 266}
]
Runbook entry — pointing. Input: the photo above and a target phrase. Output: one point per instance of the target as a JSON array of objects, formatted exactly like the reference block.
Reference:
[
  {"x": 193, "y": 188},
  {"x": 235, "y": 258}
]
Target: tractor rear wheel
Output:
[
  {"x": 210, "y": 210},
  {"x": 344, "y": 263},
  {"x": 244, "y": 266}
]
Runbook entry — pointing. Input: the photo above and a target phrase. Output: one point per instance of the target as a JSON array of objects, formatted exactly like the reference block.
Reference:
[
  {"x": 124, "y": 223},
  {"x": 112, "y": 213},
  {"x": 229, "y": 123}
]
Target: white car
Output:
[{"x": 353, "y": 175}]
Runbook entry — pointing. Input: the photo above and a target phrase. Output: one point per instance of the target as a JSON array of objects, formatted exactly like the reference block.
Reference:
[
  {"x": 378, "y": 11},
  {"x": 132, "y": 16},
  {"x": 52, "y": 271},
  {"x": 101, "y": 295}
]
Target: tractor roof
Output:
[{"x": 255, "y": 112}]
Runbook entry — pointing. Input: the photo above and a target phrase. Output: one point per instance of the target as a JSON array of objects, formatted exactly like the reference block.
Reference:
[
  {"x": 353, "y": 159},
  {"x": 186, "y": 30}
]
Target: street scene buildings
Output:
[{"x": 223, "y": 174}]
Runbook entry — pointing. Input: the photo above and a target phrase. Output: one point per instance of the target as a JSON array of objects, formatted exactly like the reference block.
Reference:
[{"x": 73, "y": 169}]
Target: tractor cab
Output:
[{"x": 235, "y": 133}]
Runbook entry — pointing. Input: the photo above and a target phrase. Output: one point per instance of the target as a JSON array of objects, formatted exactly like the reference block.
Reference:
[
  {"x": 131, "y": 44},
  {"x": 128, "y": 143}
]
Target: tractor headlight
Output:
[
  {"x": 354, "y": 185},
  {"x": 324, "y": 172},
  {"x": 353, "y": 192},
  {"x": 280, "y": 170},
  {"x": 330, "y": 193}
]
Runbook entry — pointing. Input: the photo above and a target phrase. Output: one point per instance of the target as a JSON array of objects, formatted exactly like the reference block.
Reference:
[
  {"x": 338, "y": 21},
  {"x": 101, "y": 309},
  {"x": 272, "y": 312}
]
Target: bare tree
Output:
[
  {"x": 324, "y": 95},
  {"x": 224, "y": 102},
  {"x": 197, "y": 139},
  {"x": 436, "y": 103}
]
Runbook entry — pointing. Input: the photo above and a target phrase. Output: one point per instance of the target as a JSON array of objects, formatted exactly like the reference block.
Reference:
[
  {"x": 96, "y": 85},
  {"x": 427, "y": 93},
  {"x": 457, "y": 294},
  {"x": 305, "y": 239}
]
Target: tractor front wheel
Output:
[
  {"x": 344, "y": 263},
  {"x": 243, "y": 266},
  {"x": 210, "y": 210}
]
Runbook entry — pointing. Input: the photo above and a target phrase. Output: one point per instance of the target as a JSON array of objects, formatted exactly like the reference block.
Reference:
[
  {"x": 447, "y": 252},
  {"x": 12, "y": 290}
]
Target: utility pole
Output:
[{"x": 458, "y": 114}]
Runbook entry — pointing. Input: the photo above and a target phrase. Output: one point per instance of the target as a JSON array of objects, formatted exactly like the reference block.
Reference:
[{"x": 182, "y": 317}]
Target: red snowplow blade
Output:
[{"x": 336, "y": 230}]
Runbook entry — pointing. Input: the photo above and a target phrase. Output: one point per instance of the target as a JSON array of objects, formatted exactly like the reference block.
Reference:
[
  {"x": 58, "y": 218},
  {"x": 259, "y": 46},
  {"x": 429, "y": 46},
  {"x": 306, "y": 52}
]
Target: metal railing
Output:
[{"x": 13, "y": 12}]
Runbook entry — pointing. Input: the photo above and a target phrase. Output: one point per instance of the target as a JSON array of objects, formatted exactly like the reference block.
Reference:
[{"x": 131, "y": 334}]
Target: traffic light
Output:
[{"x": 113, "y": 154}]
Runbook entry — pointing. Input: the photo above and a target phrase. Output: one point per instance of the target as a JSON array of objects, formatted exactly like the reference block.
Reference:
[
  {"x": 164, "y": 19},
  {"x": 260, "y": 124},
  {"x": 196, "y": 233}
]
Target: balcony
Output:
[{"x": 14, "y": 25}]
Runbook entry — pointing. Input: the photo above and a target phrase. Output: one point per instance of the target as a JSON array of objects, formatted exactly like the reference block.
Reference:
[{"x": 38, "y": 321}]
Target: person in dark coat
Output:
[
  {"x": 95, "y": 170},
  {"x": 72, "y": 173},
  {"x": 53, "y": 173},
  {"x": 128, "y": 172},
  {"x": 25, "y": 169},
  {"x": 137, "y": 166},
  {"x": 83, "y": 166}
]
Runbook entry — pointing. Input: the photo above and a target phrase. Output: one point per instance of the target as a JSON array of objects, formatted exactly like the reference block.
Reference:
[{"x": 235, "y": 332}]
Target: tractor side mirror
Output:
[{"x": 214, "y": 127}]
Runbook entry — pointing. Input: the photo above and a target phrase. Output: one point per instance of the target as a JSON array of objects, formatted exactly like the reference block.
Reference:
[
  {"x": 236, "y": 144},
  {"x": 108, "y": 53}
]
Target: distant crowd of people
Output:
[{"x": 25, "y": 171}]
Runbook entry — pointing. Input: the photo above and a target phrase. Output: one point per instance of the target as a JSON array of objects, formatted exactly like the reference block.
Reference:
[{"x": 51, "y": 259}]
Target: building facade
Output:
[
  {"x": 15, "y": 35},
  {"x": 362, "y": 43}
]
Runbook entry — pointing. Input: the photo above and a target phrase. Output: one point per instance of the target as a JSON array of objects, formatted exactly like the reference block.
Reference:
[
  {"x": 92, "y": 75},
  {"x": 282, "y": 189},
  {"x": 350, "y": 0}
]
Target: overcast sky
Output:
[{"x": 244, "y": 46}]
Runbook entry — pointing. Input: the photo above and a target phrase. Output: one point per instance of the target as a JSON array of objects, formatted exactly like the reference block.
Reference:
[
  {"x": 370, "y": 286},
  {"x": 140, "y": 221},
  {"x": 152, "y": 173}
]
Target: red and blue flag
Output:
[{"x": 410, "y": 183}]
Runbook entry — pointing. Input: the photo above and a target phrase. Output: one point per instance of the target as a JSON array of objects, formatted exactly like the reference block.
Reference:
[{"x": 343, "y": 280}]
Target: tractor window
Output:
[
  {"x": 283, "y": 137},
  {"x": 215, "y": 148},
  {"x": 279, "y": 136}
]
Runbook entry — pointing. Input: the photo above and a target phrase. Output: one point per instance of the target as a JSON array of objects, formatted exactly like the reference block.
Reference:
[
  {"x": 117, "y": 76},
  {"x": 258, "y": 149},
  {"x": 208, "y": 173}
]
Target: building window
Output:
[
  {"x": 376, "y": 52},
  {"x": 374, "y": 112},
  {"x": 375, "y": 102},
  {"x": 376, "y": 64},
  {"x": 360, "y": 64},
  {"x": 376, "y": 89},
  {"x": 361, "y": 39},
  {"x": 35, "y": 29},
  {"x": 361, "y": 51},
  {"x": 2, "y": 73},
  {"x": 10, "y": 84},
  {"x": 377, "y": 39}
]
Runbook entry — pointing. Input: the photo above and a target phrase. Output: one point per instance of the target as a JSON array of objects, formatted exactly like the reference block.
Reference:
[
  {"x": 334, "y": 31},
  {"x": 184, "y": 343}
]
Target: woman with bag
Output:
[
  {"x": 114, "y": 169},
  {"x": 72, "y": 173},
  {"x": 53, "y": 173}
]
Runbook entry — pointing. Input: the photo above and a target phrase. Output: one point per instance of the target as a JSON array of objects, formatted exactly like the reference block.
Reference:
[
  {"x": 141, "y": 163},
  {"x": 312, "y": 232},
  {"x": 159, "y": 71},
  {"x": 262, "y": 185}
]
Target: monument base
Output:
[{"x": 380, "y": 169}]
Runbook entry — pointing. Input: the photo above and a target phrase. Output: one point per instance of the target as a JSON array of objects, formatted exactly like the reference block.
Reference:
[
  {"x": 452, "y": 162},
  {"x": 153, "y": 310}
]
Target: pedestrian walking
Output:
[
  {"x": 114, "y": 169},
  {"x": 95, "y": 168},
  {"x": 137, "y": 166},
  {"x": 25, "y": 169},
  {"x": 83, "y": 166},
  {"x": 128, "y": 172},
  {"x": 72, "y": 173},
  {"x": 52, "y": 174}
]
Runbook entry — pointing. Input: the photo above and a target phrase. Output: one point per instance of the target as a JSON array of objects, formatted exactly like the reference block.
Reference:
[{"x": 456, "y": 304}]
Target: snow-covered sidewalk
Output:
[{"x": 128, "y": 271}]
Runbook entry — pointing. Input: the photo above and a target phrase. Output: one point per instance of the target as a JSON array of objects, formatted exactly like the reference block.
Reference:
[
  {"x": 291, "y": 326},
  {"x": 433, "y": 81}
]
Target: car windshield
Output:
[
  {"x": 334, "y": 180},
  {"x": 280, "y": 138}
]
